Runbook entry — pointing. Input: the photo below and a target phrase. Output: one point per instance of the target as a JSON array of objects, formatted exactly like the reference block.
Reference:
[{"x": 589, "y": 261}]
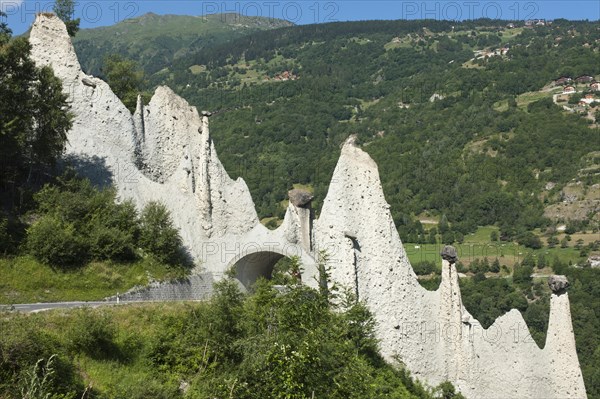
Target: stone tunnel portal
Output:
[{"x": 251, "y": 267}]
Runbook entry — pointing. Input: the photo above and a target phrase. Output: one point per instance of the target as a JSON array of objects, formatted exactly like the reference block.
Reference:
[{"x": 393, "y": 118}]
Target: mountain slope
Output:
[
  {"x": 459, "y": 125},
  {"x": 459, "y": 116},
  {"x": 154, "y": 41}
]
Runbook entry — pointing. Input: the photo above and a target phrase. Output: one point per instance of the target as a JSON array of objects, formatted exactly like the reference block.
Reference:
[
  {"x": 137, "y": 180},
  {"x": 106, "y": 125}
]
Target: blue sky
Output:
[{"x": 107, "y": 12}]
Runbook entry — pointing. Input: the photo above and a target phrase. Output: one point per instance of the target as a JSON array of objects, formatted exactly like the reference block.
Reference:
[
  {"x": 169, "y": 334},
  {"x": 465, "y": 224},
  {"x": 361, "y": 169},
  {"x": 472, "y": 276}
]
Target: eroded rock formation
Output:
[{"x": 163, "y": 152}]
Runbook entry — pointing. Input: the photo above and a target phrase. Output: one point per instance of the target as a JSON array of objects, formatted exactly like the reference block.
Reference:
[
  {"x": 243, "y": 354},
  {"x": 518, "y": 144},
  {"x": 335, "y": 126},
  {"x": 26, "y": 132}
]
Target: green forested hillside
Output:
[
  {"x": 473, "y": 139},
  {"x": 156, "y": 40}
]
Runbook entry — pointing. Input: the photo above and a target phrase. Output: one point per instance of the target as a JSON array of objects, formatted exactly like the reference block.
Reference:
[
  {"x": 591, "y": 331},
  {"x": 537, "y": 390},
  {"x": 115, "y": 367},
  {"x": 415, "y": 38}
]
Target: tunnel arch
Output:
[
  {"x": 259, "y": 261},
  {"x": 252, "y": 266}
]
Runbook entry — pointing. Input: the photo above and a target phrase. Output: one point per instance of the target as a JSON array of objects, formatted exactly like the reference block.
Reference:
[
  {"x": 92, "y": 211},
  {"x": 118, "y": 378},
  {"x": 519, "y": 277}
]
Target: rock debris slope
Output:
[{"x": 163, "y": 152}]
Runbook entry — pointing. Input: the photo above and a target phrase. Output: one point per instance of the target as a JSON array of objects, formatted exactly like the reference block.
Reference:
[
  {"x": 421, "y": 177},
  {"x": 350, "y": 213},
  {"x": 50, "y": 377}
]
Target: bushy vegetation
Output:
[
  {"x": 33, "y": 120},
  {"x": 269, "y": 344},
  {"x": 65, "y": 9},
  {"x": 158, "y": 236},
  {"x": 76, "y": 222},
  {"x": 25, "y": 280},
  {"x": 426, "y": 267},
  {"x": 125, "y": 79}
]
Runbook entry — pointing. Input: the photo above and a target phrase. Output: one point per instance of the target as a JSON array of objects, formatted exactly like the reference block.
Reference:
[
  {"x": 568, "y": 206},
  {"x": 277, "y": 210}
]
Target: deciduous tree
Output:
[{"x": 65, "y": 10}]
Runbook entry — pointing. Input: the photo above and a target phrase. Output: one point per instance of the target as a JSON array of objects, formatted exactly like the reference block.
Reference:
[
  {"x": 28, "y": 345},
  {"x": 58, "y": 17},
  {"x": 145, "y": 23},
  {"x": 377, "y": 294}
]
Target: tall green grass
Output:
[{"x": 24, "y": 280}]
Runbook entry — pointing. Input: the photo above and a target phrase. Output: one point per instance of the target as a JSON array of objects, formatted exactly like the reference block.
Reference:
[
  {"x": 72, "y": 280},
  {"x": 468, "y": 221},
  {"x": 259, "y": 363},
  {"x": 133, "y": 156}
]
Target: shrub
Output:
[
  {"x": 447, "y": 391},
  {"x": 75, "y": 200},
  {"x": 113, "y": 235},
  {"x": 92, "y": 333},
  {"x": 542, "y": 262},
  {"x": 480, "y": 266},
  {"x": 461, "y": 268},
  {"x": 494, "y": 235},
  {"x": 528, "y": 261},
  {"x": 111, "y": 243},
  {"x": 522, "y": 276},
  {"x": 82, "y": 213},
  {"x": 448, "y": 237},
  {"x": 23, "y": 345},
  {"x": 5, "y": 240},
  {"x": 552, "y": 242},
  {"x": 55, "y": 243},
  {"x": 460, "y": 237},
  {"x": 424, "y": 268},
  {"x": 495, "y": 266},
  {"x": 158, "y": 237},
  {"x": 529, "y": 240}
]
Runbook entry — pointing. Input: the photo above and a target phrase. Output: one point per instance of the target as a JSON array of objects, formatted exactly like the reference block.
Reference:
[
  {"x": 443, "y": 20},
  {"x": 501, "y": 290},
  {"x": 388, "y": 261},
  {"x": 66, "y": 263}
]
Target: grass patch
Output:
[
  {"x": 478, "y": 246},
  {"x": 523, "y": 100},
  {"x": 306, "y": 187},
  {"x": 196, "y": 69},
  {"x": 24, "y": 280},
  {"x": 271, "y": 222},
  {"x": 501, "y": 106},
  {"x": 510, "y": 34},
  {"x": 482, "y": 235},
  {"x": 472, "y": 64}
]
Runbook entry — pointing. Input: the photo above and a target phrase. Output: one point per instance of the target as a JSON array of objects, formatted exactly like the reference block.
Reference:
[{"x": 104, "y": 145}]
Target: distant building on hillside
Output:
[
  {"x": 584, "y": 79},
  {"x": 568, "y": 90},
  {"x": 285, "y": 76},
  {"x": 595, "y": 86},
  {"x": 563, "y": 80},
  {"x": 530, "y": 23},
  {"x": 588, "y": 100}
]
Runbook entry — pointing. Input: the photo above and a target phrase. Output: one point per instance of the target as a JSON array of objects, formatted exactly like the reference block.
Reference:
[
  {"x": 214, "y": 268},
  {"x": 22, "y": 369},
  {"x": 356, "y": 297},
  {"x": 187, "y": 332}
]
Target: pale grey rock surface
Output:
[
  {"x": 594, "y": 260},
  {"x": 163, "y": 152},
  {"x": 430, "y": 331}
]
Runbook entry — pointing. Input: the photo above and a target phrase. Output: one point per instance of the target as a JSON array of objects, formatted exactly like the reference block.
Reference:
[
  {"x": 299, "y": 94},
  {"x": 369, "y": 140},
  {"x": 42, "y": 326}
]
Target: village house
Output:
[
  {"x": 584, "y": 79},
  {"x": 595, "y": 86},
  {"x": 562, "y": 80},
  {"x": 285, "y": 76},
  {"x": 588, "y": 100},
  {"x": 568, "y": 90}
]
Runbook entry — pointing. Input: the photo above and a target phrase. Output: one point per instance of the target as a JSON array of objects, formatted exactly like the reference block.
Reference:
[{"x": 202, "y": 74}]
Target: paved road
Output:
[{"x": 38, "y": 307}]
